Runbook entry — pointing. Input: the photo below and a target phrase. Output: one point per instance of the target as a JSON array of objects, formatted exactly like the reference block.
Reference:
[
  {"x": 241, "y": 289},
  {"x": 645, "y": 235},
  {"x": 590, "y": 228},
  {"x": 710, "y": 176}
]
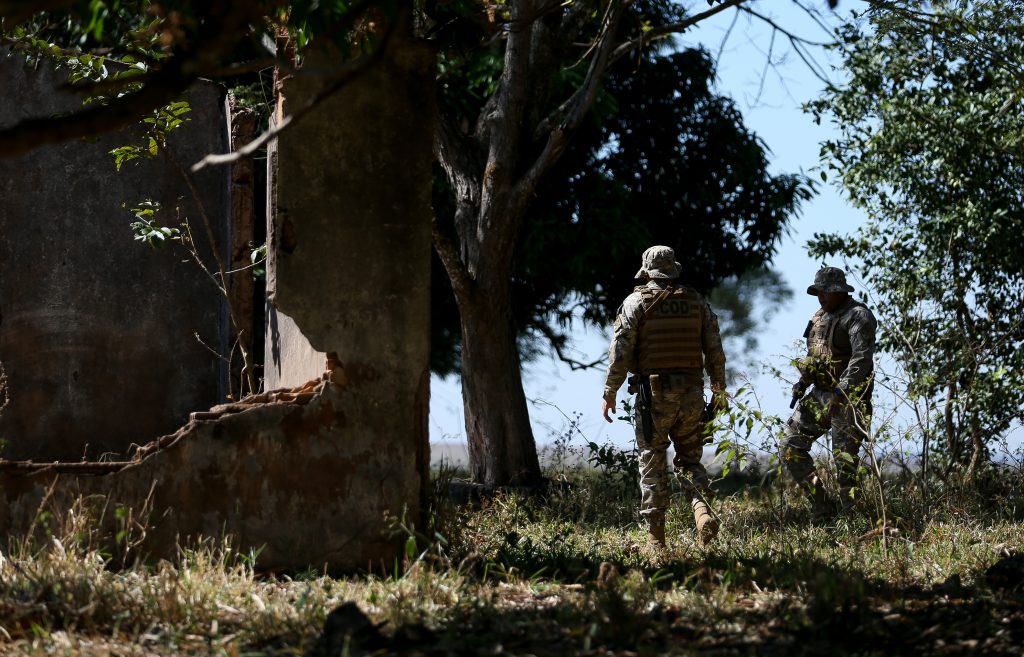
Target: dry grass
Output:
[{"x": 569, "y": 573}]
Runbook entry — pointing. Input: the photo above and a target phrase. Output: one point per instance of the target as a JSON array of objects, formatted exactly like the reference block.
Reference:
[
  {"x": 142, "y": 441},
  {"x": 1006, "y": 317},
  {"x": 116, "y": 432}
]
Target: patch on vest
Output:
[{"x": 673, "y": 307}]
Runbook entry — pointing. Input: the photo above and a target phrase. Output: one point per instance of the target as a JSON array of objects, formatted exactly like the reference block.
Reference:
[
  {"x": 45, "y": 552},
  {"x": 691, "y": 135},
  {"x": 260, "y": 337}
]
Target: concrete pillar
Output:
[{"x": 349, "y": 264}]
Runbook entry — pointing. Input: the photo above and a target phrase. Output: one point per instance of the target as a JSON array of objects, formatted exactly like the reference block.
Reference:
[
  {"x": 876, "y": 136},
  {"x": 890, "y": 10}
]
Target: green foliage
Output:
[
  {"x": 617, "y": 467},
  {"x": 157, "y": 128},
  {"x": 258, "y": 258},
  {"x": 147, "y": 228},
  {"x": 931, "y": 146}
]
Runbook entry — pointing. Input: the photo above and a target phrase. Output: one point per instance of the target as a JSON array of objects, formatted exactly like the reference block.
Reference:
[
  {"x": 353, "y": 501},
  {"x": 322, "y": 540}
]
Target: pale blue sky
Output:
[{"x": 794, "y": 140}]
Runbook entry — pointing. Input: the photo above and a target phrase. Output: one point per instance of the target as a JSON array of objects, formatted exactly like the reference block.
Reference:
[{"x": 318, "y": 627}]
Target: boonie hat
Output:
[
  {"x": 829, "y": 279},
  {"x": 659, "y": 262}
]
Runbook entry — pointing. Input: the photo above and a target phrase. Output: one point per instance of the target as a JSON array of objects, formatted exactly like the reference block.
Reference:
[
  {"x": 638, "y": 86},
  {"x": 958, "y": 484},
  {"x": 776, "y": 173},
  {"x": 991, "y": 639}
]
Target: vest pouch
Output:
[{"x": 680, "y": 382}]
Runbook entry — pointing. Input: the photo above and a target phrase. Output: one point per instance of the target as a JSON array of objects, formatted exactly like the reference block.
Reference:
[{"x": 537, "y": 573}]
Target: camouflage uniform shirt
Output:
[{"x": 622, "y": 353}]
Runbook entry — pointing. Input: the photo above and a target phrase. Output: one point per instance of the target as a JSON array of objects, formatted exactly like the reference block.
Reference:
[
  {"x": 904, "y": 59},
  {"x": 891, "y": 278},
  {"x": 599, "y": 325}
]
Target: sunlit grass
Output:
[{"x": 568, "y": 572}]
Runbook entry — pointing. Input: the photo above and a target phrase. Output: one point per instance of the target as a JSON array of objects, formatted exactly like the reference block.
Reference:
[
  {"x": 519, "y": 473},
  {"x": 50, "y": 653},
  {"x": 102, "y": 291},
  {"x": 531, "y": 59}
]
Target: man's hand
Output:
[
  {"x": 719, "y": 403},
  {"x": 607, "y": 408},
  {"x": 835, "y": 405}
]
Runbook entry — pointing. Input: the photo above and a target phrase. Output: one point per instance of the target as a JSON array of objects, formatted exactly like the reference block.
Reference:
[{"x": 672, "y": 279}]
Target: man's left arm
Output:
[
  {"x": 714, "y": 357},
  {"x": 861, "y": 328}
]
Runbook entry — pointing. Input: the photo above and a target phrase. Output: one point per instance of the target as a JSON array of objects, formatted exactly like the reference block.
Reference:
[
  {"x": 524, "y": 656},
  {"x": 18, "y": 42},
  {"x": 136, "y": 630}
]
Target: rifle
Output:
[{"x": 642, "y": 385}]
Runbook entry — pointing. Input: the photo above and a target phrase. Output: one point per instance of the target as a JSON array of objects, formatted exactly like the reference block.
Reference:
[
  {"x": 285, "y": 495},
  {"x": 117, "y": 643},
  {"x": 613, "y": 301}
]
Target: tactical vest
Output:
[
  {"x": 826, "y": 360},
  {"x": 670, "y": 332}
]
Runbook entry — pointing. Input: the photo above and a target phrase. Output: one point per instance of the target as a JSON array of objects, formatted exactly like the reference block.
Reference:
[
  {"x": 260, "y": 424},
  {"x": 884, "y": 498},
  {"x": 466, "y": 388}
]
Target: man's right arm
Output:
[{"x": 622, "y": 351}]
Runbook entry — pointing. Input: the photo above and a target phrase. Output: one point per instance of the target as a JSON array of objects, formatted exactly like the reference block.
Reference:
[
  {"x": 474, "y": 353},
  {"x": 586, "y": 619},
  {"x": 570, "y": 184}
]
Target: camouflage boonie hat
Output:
[
  {"x": 659, "y": 262},
  {"x": 829, "y": 279}
]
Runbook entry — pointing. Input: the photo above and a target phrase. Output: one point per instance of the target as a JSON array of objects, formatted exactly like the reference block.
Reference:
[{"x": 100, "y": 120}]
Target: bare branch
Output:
[
  {"x": 220, "y": 159},
  {"x": 670, "y": 29},
  {"x": 349, "y": 72},
  {"x": 778, "y": 28},
  {"x": 624, "y": 49},
  {"x": 557, "y": 341},
  {"x": 814, "y": 15},
  {"x": 799, "y": 43},
  {"x": 725, "y": 37},
  {"x": 344, "y": 75},
  {"x": 767, "y": 64}
]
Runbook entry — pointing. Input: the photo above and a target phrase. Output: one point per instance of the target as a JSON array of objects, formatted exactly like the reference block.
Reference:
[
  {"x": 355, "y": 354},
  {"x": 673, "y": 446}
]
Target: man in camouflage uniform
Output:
[
  {"x": 667, "y": 336},
  {"x": 838, "y": 369}
]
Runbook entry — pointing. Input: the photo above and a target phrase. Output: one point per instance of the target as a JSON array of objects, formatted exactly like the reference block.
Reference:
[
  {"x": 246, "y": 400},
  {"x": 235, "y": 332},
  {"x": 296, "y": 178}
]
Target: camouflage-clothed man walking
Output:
[
  {"x": 668, "y": 336},
  {"x": 839, "y": 371}
]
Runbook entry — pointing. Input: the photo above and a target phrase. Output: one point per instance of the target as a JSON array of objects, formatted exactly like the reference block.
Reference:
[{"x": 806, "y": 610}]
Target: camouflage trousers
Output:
[
  {"x": 677, "y": 419},
  {"x": 809, "y": 421}
]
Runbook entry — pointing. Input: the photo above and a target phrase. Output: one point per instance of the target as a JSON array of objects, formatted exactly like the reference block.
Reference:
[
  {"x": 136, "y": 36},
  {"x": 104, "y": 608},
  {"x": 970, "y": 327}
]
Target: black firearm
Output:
[
  {"x": 706, "y": 417},
  {"x": 643, "y": 403},
  {"x": 798, "y": 392}
]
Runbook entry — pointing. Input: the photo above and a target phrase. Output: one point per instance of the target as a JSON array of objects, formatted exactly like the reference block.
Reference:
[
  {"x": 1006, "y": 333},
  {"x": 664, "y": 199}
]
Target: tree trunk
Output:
[
  {"x": 977, "y": 450},
  {"x": 952, "y": 437},
  {"x": 501, "y": 446}
]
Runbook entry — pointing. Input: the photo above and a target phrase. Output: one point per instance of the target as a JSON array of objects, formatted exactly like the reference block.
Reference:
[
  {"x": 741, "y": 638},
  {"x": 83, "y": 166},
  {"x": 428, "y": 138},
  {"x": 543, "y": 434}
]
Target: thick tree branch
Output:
[
  {"x": 461, "y": 282},
  {"x": 512, "y": 94},
  {"x": 670, "y": 29},
  {"x": 546, "y": 49},
  {"x": 579, "y": 105},
  {"x": 548, "y": 125},
  {"x": 494, "y": 225},
  {"x": 458, "y": 156},
  {"x": 455, "y": 152},
  {"x": 165, "y": 86},
  {"x": 17, "y": 12},
  {"x": 226, "y": 24},
  {"x": 215, "y": 41}
]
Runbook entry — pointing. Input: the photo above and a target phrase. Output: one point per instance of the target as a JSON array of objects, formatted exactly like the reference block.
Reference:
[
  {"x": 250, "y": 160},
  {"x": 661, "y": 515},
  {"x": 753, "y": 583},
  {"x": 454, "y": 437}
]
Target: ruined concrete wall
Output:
[
  {"x": 309, "y": 484},
  {"x": 274, "y": 478},
  {"x": 97, "y": 330},
  {"x": 349, "y": 260}
]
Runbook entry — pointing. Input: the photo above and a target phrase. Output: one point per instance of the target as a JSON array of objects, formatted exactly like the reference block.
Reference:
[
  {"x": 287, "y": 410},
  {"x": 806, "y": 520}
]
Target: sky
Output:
[{"x": 559, "y": 396}]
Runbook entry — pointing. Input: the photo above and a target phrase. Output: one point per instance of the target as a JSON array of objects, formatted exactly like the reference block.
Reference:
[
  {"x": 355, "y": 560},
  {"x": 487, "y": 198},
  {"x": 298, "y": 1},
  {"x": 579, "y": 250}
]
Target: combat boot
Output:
[
  {"x": 707, "y": 523},
  {"x": 847, "y": 490},
  {"x": 823, "y": 508},
  {"x": 656, "y": 529}
]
